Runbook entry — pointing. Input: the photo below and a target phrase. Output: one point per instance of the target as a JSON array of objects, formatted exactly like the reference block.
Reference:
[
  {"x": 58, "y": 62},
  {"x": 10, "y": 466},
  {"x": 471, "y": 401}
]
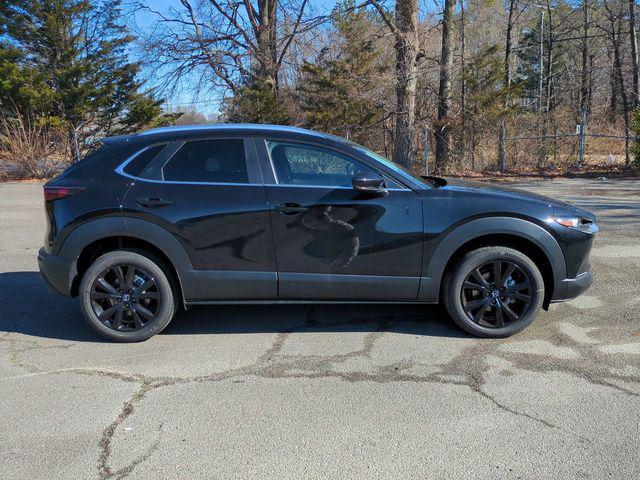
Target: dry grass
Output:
[{"x": 29, "y": 150}]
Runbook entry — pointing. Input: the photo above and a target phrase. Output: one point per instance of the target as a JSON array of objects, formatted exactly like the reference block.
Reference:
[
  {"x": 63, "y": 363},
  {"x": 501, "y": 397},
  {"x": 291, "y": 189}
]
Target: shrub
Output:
[{"x": 30, "y": 149}]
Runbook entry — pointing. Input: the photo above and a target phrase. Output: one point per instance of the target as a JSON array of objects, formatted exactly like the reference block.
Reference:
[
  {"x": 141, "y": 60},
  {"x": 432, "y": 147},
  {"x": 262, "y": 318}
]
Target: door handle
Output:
[
  {"x": 153, "y": 202},
  {"x": 291, "y": 208}
]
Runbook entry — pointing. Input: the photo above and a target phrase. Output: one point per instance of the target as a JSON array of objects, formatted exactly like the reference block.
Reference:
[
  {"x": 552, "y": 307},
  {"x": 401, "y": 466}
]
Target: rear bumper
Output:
[
  {"x": 56, "y": 271},
  {"x": 570, "y": 288}
]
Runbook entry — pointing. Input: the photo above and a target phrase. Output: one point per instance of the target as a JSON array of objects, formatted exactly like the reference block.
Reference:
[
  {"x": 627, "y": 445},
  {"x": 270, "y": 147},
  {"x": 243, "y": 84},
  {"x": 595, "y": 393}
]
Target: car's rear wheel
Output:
[
  {"x": 494, "y": 292},
  {"x": 126, "y": 296}
]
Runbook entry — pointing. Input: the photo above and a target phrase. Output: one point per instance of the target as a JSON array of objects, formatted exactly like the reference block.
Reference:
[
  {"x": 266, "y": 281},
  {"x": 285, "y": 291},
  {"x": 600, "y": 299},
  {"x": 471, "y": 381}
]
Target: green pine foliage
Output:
[
  {"x": 528, "y": 71},
  {"x": 336, "y": 91},
  {"x": 486, "y": 92},
  {"x": 635, "y": 148},
  {"x": 65, "y": 62},
  {"x": 257, "y": 102}
]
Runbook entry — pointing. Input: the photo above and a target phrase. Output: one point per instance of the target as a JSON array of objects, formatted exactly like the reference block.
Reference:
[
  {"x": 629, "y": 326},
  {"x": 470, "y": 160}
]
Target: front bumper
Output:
[
  {"x": 570, "y": 288},
  {"x": 56, "y": 271}
]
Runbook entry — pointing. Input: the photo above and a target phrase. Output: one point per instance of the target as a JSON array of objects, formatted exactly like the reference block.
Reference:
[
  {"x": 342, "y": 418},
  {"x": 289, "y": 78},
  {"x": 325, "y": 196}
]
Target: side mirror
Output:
[{"x": 369, "y": 182}]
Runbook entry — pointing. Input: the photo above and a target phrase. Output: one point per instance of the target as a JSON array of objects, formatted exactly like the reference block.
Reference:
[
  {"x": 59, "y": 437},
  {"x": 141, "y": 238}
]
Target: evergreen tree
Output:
[
  {"x": 635, "y": 147},
  {"x": 67, "y": 62},
  {"x": 257, "y": 102},
  {"x": 336, "y": 90},
  {"x": 529, "y": 62},
  {"x": 485, "y": 87}
]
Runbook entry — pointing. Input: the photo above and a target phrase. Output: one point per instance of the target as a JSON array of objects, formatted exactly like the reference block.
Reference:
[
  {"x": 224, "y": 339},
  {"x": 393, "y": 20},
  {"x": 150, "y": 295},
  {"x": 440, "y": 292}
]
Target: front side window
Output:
[
  {"x": 211, "y": 161},
  {"x": 298, "y": 164}
]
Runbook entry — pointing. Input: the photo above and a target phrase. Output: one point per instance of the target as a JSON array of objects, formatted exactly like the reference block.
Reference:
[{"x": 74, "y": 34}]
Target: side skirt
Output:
[{"x": 191, "y": 303}]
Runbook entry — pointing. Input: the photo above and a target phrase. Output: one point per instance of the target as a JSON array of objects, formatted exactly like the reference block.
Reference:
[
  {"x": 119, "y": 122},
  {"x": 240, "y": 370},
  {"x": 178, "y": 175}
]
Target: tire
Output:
[
  {"x": 150, "y": 291},
  {"x": 485, "y": 306}
]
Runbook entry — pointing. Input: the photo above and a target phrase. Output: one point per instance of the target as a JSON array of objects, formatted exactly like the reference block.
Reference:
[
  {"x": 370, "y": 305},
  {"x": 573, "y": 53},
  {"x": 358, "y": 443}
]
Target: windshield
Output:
[{"x": 388, "y": 163}]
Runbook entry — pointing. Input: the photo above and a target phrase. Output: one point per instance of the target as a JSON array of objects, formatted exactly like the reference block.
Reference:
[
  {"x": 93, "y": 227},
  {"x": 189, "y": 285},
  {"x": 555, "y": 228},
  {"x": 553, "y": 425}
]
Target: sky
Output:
[{"x": 183, "y": 97}]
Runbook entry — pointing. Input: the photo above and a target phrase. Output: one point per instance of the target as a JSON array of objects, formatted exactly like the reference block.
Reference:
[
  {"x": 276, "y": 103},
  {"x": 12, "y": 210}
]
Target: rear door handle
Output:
[
  {"x": 291, "y": 208},
  {"x": 153, "y": 202}
]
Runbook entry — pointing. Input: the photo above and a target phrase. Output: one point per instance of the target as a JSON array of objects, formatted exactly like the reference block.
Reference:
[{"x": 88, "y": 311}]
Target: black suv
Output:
[{"x": 270, "y": 214}]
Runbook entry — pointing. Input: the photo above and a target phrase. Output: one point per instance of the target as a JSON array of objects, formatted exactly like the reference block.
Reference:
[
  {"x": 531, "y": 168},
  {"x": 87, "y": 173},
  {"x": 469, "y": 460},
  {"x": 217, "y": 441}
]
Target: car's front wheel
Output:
[
  {"x": 494, "y": 292},
  {"x": 126, "y": 296}
]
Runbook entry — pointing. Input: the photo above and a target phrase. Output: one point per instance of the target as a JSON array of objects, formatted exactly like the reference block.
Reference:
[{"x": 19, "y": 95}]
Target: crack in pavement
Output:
[
  {"x": 470, "y": 364},
  {"x": 14, "y": 351},
  {"x": 104, "y": 470}
]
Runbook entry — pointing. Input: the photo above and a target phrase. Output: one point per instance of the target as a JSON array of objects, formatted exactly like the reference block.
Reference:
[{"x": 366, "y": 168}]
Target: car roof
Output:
[
  {"x": 240, "y": 127},
  {"x": 186, "y": 131}
]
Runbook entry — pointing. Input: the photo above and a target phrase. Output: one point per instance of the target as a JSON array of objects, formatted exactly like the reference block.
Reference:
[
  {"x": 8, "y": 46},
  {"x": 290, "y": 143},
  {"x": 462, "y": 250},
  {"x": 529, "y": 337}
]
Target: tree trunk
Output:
[
  {"x": 266, "y": 39},
  {"x": 463, "y": 88},
  {"x": 623, "y": 94},
  {"x": 634, "y": 52},
  {"x": 540, "y": 85},
  {"x": 74, "y": 144},
  {"x": 584, "y": 82},
  {"x": 502, "y": 137},
  {"x": 542, "y": 161},
  {"x": 613, "y": 82},
  {"x": 443, "y": 128},
  {"x": 406, "y": 81}
]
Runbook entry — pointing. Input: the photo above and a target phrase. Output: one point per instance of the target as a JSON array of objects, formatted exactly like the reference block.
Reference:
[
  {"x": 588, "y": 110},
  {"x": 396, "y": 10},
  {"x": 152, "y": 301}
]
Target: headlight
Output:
[
  {"x": 567, "y": 221},
  {"x": 582, "y": 224}
]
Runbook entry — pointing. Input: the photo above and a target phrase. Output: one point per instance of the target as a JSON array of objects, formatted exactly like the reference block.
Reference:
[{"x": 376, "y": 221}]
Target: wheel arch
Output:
[
  {"x": 102, "y": 235},
  {"x": 523, "y": 235}
]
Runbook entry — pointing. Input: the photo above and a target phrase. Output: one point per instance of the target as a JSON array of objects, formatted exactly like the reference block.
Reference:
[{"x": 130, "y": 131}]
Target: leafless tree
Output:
[
  {"x": 502, "y": 161},
  {"x": 443, "y": 127},
  {"x": 404, "y": 29},
  {"x": 633, "y": 42},
  {"x": 225, "y": 41},
  {"x": 613, "y": 27}
]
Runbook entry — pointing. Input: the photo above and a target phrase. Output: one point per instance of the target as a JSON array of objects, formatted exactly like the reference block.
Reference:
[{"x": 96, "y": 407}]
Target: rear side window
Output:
[
  {"x": 136, "y": 166},
  {"x": 221, "y": 160}
]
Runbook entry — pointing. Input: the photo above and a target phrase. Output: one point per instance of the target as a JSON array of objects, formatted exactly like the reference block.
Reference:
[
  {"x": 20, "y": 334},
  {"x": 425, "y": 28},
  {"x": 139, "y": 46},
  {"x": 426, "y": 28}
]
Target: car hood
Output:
[{"x": 495, "y": 190}]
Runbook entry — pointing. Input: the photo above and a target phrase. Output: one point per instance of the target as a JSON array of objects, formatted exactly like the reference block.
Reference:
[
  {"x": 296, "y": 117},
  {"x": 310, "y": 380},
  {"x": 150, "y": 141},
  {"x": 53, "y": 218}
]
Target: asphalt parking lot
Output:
[{"x": 324, "y": 391}]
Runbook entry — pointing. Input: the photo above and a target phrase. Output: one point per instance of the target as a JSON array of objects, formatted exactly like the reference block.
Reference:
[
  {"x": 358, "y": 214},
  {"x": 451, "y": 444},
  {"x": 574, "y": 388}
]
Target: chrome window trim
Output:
[
  {"x": 332, "y": 187},
  {"x": 120, "y": 170}
]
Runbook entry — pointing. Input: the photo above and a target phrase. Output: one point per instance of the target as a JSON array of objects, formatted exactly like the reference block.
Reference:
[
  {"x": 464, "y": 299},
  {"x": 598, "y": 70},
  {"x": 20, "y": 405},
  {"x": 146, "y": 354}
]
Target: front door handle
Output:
[
  {"x": 153, "y": 202},
  {"x": 291, "y": 208}
]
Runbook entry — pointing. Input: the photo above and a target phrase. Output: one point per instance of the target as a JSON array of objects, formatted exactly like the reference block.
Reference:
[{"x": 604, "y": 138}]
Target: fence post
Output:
[
  {"x": 502, "y": 146},
  {"x": 426, "y": 151},
  {"x": 583, "y": 137}
]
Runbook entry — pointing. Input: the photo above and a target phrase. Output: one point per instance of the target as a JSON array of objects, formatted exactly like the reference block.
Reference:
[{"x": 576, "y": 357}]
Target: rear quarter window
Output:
[{"x": 137, "y": 165}]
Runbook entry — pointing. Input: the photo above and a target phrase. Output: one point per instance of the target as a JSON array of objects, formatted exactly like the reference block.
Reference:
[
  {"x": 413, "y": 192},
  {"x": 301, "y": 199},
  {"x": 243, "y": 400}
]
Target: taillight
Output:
[{"x": 56, "y": 193}]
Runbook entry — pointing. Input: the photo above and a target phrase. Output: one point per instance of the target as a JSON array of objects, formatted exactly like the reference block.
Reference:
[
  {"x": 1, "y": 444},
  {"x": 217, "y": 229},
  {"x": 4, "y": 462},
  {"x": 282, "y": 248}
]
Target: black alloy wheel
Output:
[
  {"x": 125, "y": 298},
  {"x": 128, "y": 295},
  {"x": 496, "y": 294}
]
